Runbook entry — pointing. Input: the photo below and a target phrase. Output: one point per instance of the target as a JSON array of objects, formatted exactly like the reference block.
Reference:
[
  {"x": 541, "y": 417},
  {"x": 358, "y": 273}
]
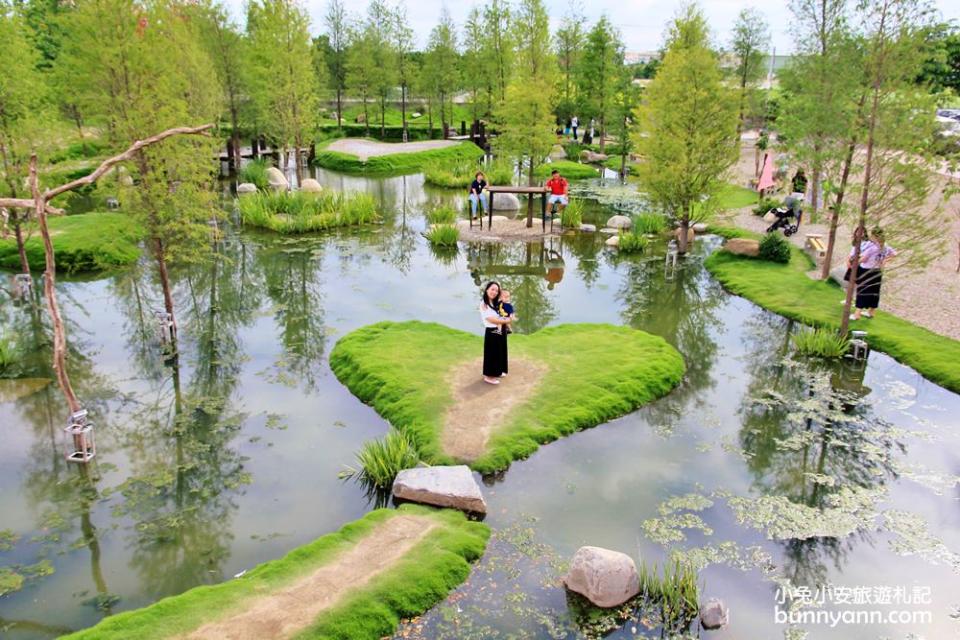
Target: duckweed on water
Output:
[{"x": 914, "y": 538}]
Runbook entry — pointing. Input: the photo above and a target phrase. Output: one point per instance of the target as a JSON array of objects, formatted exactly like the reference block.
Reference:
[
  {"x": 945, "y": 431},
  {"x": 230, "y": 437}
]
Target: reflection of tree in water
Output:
[
  {"x": 588, "y": 249},
  {"x": 807, "y": 433},
  {"x": 522, "y": 269}
]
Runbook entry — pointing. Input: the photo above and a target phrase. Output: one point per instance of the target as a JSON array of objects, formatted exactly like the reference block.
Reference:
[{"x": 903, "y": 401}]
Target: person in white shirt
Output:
[
  {"x": 494, "y": 340},
  {"x": 574, "y": 123},
  {"x": 873, "y": 258}
]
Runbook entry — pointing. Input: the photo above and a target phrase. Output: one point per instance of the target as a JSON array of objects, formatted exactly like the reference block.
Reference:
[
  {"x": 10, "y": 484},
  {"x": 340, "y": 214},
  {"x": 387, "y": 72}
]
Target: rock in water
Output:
[
  {"x": 441, "y": 487},
  {"x": 714, "y": 614},
  {"x": 613, "y": 241},
  {"x": 246, "y": 187},
  {"x": 506, "y": 202},
  {"x": 589, "y": 228},
  {"x": 700, "y": 227},
  {"x": 311, "y": 185},
  {"x": 743, "y": 247},
  {"x": 619, "y": 222},
  {"x": 277, "y": 180},
  {"x": 604, "y": 577}
]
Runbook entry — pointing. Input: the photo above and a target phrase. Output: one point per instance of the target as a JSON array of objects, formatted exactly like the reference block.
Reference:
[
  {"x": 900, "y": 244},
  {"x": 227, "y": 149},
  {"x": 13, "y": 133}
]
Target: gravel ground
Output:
[
  {"x": 364, "y": 149},
  {"x": 505, "y": 229}
]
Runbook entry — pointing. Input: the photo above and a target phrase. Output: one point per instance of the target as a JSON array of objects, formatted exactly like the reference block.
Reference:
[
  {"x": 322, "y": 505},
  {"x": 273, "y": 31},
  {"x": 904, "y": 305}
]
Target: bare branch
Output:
[
  {"x": 24, "y": 203},
  {"x": 109, "y": 163}
]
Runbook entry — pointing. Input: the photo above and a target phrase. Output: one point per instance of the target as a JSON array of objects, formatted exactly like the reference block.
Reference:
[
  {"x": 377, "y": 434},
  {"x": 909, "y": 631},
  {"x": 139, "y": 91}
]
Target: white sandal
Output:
[{"x": 489, "y": 381}]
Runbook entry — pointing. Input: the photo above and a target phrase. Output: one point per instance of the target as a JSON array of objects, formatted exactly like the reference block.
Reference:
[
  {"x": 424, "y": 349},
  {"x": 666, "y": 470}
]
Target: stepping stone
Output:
[
  {"x": 619, "y": 222},
  {"x": 613, "y": 241},
  {"x": 714, "y": 614},
  {"x": 604, "y": 577},
  {"x": 590, "y": 228},
  {"x": 610, "y": 231},
  {"x": 246, "y": 187},
  {"x": 442, "y": 487}
]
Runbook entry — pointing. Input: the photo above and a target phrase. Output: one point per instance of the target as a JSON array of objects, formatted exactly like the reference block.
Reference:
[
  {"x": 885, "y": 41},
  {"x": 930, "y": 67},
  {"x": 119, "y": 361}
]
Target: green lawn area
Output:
[
  {"x": 86, "y": 242},
  {"x": 787, "y": 290},
  {"x": 596, "y": 372},
  {"x": 569, "y": 169},
  {"x": 396, "y": 163},
  {"x": 736, "y": 197},
  {"x": 421, "y": 578}
]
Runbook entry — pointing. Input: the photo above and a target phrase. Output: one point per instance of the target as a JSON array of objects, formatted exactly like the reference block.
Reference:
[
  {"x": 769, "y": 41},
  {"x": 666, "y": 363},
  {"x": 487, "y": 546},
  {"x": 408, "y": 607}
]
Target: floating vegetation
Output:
[
  {"x": 381, "y": 460},
  {"x": 670, "y": 528},
  {"x": 301, "y": 212},
  {"x": 914, "y": 538},
  {"x": 7, "y": 539},
  {"x": 685, "y": 502},
  {"x": 622, "y": 198},
  {"x": 10, "y": 581},
  {"x": 821, "y": 343},
  {"x": 728, "y": 553},
  {"x": 443, "y": 235}
]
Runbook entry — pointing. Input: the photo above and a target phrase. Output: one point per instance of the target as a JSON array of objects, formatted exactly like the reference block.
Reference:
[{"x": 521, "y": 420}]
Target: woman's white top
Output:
[{"x": 485, "y": 314}]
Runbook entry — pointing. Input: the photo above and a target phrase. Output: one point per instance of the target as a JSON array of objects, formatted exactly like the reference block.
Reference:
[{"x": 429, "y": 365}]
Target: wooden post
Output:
[
  {"x": 490, "y": 214},
  {"x": 254, "y": 149},
  {"x": 231, "y": 167},
  {"x": 543, "y": 212}
]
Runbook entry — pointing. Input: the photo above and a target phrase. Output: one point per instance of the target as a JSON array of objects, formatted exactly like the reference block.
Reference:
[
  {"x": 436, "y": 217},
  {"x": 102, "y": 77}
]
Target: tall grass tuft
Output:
[
  {"x": 443, "y": 235},
  {"x": 255, "y": 172},
  {"x": 652, "y": 223},
  {"x": 8, "y": 358},
  {"x": 572, "y": 216},
  {"x": 821, "y": 343},
  {"x": 676, "y": 590},
  {"x": 381, "y": 460},
  {"x": 300, "y": 212},
  {"x": 632, "y": 242},
  {"x": 443, "y": 214}
]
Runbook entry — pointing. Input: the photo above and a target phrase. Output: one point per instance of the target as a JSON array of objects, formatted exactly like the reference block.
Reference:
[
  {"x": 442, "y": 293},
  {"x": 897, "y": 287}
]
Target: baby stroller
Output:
[{"x": 788, "y": 216}]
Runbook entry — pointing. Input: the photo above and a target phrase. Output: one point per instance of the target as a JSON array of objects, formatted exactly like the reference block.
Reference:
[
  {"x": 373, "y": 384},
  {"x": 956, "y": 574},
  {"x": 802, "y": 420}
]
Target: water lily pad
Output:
[{"x": 12, "y": 390}]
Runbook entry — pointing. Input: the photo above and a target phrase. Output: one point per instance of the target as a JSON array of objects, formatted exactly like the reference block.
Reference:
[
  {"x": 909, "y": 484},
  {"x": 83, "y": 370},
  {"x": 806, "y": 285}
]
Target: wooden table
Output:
[{"x": 531, "y": 191}]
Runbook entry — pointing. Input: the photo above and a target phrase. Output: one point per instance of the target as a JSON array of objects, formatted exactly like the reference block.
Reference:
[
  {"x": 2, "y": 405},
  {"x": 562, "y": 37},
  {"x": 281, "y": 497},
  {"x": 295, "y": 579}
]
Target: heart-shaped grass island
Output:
[{"x": 425, "y": 379}]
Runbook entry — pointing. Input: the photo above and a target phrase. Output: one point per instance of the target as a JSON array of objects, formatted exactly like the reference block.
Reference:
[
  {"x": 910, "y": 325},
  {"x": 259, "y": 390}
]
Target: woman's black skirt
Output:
[
  {"x": 868, "y": 288},
  {"x": 494, "y": 353}
]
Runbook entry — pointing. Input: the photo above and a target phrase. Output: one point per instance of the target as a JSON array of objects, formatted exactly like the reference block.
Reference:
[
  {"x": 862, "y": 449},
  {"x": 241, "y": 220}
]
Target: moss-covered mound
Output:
[
  {"x": 423, "y": 576},
  {"x": 568, "y": 169},
  {"x": 397, "y": 163},
  {"x": 86, "y": 242},
  {"x": 787, "y": 290},
  {"x": 595, "y": 372}
]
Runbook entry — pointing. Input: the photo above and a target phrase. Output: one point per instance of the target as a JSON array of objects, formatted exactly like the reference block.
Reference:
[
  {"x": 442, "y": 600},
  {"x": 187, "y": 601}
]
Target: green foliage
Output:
[
  {"x": 442, "y": 214},
  {"x": 676, "y": 590},
  {"x": 612, "y": 371},
  {"x": 600, "y": 71},
  {"x": 87, "y": 242},
  {"x": 255, "y": 172},
  {"x": 398, "y": 163},
  {"x": 443, "y": 235},
  {"x": 632, "y": 241},
  {"x": 786, "y": 289},
  {"x": 765, "y": 205},
  {"x": 751, "y": 36},
  {"x": 440, "y": 73},
  {"x": 821, "y": 343},
  {"x": 462, "y": 173},
  {"x": 421, "y": 578},
  {"x": 568, "y": 169},
  {"x": 9, "y": 368},
  {"x": 572, "y": 215},
  {"x": 302, "y": 212},
  {"x": 774, "y": 248},
  {"x": 650, "y": 222},
  {"x": 381, "y": 460},
  {"x": 10, "y": 581},
  {"x": 79, "y": 151},
  {"x": 732, "y": 196}
]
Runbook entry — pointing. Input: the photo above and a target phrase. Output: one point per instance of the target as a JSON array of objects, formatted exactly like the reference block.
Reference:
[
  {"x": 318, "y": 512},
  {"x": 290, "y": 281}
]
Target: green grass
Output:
[
  {"x": 820, "y": 343},
  {"x": 650, "y": 222},
  {"x": 443, "y": 235},
  {"x": 676, "y": 590},
  {"x": 568, "y": 169},
  {"x": 81, "y": 243},
  {"x": 461, "y": 174},
  {"x": 302, "y": 212},
  {"x": 735, "y": 197},
  {"x": 442, "y": 214},
  {"x": 774, "y": 248},
  {"x": 402, "y": 370},
  {"x": 787, "y": 290},
  {"x": 423, "y": 577},
  {"x": 79, "y": 150},
  {"x": 397, "y": 163},
  {"x": 255, "y": 172},
  {"x": 381, "y": 460},
  {"x": 572, "y": 215},
  {"x": 9, "y": 358},
  {"x": 632, "y": 241}
]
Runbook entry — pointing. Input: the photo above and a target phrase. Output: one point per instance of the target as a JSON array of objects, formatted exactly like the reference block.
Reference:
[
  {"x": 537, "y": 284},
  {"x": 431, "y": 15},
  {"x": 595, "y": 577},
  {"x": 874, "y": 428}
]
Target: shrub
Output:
[
  {"x": 443, "y": 214},
  {"x": 821, "y": 343},
  {"x": 765, "y": 205},
  {"x": 632, "y": 242},
  {"x": 652, "y": 223},
  {"x": 300, "y": 212},
  {"x": 572, "y": 215},
  {"x": 443, "y": 235},
  {"x": 381, "y": 460},
  {"x": 255, "y": 172},
  {"x": 774, "y": 248}
]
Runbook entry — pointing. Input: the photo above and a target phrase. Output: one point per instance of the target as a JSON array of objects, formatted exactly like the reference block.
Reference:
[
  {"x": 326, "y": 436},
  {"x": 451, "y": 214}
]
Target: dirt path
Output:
[
  {"x": 479, "y": 408},
  {"x": 364, "y": 149},
  {"x": 507, "y": 229},
  {"x": 285, "y": 613}
]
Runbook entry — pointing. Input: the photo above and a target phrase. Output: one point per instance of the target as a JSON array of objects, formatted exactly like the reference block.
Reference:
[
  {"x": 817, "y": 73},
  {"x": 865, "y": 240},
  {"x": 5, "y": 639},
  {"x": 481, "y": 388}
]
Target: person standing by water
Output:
[
  {"x": 476, "y": 194},
  {"x": 873, "y": 258},
  {"x": 574, "y": 123},
  {"x": 494, "y": 339}
]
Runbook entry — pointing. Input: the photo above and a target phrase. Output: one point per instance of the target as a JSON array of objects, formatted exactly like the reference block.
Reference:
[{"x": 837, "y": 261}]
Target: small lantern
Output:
[
  {"x": 165, "y": 324},
  {"x": 670, "y": 262},
  {"x": 859, "y": 345},
  {"x": 80, "y": 446},
  {"x": 22, "y": 283}
]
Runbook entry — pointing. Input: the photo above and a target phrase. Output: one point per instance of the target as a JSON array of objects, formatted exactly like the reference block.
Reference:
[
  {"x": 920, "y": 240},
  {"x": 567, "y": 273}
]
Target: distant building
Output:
[{"x": 640, "y": 57}]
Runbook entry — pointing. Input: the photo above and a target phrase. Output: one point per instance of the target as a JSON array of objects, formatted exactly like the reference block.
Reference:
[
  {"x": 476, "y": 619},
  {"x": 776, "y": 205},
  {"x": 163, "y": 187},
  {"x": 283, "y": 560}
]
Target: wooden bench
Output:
[{"x": 815, "y": 246}]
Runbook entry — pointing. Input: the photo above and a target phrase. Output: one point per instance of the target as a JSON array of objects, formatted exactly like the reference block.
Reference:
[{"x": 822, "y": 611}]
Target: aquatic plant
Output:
[
  {"x": 774, "y": 248},
  {"x": 381, "y": 460},
  {"x": 675, "y": 590},
  {"x": 443, "y": 214},
  {"x": 8, "y": 360},
  {"x": 443, "y": 235},
  {"x": 572, "y": 215},
  {"x": 300, "y": 212},
  {"x": 632, "y": 241},
  {"x": 650, "y": 222},
  {"x": 255, "y": 172},
  {"x": 821, "y": 343}
]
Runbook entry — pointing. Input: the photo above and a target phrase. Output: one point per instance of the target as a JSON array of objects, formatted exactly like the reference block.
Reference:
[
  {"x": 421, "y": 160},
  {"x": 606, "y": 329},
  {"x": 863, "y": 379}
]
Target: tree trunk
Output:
[
  {"x": 298, "y": 164},
  {"x": 339, "y": 108},
  {"x": 383, "y": 117},
  {"x": 18, "y": 233},
  {"x": 530, "y": 182},
  {"x": 235, "y": 139},
  {"x": 684, "y": 230},
  {"x": 366, "y": 116},
  {"x": 603, "y": 134},
  {"x": 403, "y": 110},
  {"x": 159, "y": 254},
  {"x": 443, "y": 116}
]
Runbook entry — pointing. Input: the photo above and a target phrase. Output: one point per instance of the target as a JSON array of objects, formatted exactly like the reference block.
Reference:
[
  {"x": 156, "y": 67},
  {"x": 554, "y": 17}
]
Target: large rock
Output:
[
  {"x": 743, "y": 247},
  {"x": 277, "y": 180},
  {"x": 506, "y": 202},
  {"x": 700, "y": 227},
  {"x": 558, "y": 152},
  {"x": 714, "y": 614},
  {"x": 606, "y": 578},
  {"x": 837, "y": 273},
  {"x": 590, "y": 156},
  {"x": 311, "y": 185},
  {"x": 441, "y": 487},
  {"x": 246, "y": 187},
  {"x": 619, "y": 222}
]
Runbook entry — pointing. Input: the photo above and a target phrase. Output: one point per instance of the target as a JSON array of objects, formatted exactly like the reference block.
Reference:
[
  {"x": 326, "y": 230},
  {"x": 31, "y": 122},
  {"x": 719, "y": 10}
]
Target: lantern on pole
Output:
[{"x": 80, "y": 446}]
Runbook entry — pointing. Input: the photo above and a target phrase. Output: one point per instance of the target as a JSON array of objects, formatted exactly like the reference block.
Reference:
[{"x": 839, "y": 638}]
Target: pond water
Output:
[{"x": 229, "y": 456}]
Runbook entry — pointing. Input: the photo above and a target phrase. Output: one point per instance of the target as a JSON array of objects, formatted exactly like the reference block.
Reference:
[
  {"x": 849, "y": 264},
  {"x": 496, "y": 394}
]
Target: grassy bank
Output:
[
  {"x": 302, "y": 212},
  {"x": 568, "y": 169},
  {"x": 420, "y": 579},
  {"x": 87, "y": 242},
  {"x": 596, "y": 372},
  {"x": 461, "y": 174},
  {"x": 398, "y": 163},
  {"x": 787, "y": 290}
]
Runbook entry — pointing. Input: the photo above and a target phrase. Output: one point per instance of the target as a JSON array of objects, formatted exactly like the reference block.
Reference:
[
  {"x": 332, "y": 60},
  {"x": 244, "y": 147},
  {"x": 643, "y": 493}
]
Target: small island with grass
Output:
[
  {"x": 303, "y": 211},
  {"x": 360, "y": 155}
]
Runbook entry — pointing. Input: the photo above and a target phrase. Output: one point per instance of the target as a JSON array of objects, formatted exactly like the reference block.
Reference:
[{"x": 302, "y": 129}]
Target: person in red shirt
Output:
[{"x": 558, "y": 192}]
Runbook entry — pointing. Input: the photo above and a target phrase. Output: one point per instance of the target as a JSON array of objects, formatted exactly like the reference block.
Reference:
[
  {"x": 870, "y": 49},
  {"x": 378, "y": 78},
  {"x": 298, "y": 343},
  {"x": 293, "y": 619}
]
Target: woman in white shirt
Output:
[
  {"x": 494, "y": 338},
  {"x": 873, "y": 257}
]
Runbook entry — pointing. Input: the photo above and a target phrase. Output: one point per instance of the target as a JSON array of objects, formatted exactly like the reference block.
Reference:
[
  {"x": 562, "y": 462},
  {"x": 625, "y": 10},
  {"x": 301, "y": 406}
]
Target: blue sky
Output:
[{"x": 641, "y": 22}]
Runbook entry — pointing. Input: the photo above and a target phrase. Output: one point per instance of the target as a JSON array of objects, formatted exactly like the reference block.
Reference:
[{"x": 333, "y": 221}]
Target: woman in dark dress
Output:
[{"x": 494, "y": 337}]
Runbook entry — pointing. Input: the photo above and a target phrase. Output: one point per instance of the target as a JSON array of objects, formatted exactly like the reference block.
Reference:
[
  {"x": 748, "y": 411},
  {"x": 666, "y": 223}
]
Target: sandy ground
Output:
[
  {"x": 479, "y": 408},
  {"x": 506, "y": 229},
  {"x": 285, "y": 613},
  {"x": 364, "y": 149},
  {"x": 927, "y": 297}
]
